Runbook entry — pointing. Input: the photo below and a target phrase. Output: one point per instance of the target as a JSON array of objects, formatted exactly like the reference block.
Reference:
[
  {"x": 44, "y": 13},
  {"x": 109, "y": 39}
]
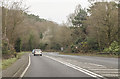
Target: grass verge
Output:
[
  {"x": 90, "y": 54},
  {"x": 8, "y": 62}
]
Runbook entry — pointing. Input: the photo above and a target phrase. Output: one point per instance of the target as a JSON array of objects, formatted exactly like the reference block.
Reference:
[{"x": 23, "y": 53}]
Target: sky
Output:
[{"x": 54, "y": 10}]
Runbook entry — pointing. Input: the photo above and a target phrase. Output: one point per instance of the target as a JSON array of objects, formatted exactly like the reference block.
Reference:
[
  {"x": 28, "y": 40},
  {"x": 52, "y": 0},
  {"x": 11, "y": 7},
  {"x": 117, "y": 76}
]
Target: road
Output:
[
  {"x": 45, "y": 67},
  {"x": 108, "y": 62},
  {"x": 56, "y": 65}
]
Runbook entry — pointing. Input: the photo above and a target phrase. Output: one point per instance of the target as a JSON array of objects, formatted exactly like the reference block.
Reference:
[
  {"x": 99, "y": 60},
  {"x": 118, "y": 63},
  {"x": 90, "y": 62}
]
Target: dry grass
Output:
[{"x": 8, "y": 62}]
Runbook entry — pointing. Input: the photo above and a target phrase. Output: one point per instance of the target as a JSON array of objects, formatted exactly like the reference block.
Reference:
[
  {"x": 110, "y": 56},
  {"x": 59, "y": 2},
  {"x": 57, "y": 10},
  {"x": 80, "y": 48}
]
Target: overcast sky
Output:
[{"x": 55, "y": 10}]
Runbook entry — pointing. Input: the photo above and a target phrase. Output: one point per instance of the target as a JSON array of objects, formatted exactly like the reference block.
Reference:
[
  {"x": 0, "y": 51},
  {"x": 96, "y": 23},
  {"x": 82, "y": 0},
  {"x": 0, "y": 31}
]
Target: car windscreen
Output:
[{"x": 37, "y": 50}]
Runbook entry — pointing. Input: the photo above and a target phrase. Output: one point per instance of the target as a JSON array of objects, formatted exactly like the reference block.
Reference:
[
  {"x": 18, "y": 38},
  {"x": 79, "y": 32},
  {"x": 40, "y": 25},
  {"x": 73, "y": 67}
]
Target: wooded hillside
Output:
[{"x": 90, "y": 30}]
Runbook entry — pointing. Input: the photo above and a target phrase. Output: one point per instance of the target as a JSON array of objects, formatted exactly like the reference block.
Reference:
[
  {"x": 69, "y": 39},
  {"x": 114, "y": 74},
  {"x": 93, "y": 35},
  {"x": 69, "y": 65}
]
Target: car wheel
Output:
[{"x": 34, "y": 54}]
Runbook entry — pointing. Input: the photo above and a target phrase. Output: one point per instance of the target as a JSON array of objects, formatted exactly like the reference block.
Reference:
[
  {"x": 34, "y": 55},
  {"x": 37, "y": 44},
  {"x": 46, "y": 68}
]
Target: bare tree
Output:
[
  {"x": 12, "y": 16},
  {"x": 103, "y": 23}
]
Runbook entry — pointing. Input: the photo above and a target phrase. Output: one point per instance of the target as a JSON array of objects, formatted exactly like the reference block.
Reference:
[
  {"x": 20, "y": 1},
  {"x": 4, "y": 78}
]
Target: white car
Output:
[{"x": 37, "y": 52}]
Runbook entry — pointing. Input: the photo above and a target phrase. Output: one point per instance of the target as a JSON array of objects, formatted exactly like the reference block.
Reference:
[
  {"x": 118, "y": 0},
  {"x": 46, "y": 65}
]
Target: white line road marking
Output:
[
  {"x": 26, "y": 68},
  {"x": 17, "y": 71},
  {"x": 96, "y": 64},
  {"x": 106, "y": 69},
  {"x": 92, "y": 74}
]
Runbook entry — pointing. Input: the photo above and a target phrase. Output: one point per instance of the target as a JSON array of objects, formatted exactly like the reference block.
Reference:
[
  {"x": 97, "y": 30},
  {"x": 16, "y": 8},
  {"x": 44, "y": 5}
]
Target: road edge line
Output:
[{"x": 29, "y": 62}]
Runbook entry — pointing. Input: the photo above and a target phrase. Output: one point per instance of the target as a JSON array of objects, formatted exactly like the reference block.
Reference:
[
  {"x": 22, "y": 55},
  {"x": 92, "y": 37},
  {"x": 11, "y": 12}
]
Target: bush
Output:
[
  {"x": 92, "y": 44},
  {"x": 74, "y": 48},
  {"x": 113, "y": 48},
  {"x": 68, "y": 50},
  {"x": 43, "y": 46},
  {"x": 5, "y": 48},
  {"x": 18, "y": 45},
  {"x": 56, "y": 47}
]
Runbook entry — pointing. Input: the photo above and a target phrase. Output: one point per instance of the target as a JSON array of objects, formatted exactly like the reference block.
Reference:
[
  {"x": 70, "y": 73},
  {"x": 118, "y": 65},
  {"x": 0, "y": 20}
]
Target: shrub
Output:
[
  {"x": 92, "y": 44},
  {"x": 5, "y": 48},
  {"x": 113, "y": 48},
  {"x": 18, "y": 45},
  {"x": 56, "y": 47},
  {"x": 43, "y": 46}
]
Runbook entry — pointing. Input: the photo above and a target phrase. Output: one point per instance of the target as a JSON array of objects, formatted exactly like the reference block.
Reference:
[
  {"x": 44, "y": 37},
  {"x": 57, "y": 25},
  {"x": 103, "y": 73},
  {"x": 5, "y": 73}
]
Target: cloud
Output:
[{"x": 56, "y": 10}]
